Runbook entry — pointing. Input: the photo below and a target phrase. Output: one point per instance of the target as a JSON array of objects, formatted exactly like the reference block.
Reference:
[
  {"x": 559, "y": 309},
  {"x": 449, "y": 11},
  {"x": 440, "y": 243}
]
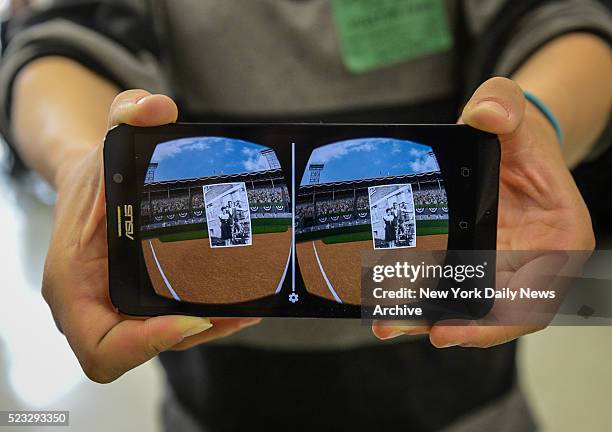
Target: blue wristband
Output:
[{"x": 541, "y": 106}]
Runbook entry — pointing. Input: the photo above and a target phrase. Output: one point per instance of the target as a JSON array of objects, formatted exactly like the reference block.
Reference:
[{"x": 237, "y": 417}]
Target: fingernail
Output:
[
  {"x": 492, "y": 107},
  {"x": 392, "y": 332},
  {"x": 247, "y": 322},
  {"x": 449, "y": 344},
  {"x": 195, "y": 325},
  {"x": 141, "y": 100}
]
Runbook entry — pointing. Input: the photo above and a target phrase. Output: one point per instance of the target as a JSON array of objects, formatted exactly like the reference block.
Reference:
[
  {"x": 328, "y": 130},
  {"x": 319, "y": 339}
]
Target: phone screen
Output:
[
  {"x": 365, "y": 194},
  {"x": 218, "y": 222},
  {"x": 274, "y": 220}
]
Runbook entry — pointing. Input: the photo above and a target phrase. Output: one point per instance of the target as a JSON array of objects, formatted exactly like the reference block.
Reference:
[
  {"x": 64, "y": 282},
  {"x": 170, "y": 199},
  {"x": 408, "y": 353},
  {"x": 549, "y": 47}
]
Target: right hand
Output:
[{"x": 75, "y": 279}]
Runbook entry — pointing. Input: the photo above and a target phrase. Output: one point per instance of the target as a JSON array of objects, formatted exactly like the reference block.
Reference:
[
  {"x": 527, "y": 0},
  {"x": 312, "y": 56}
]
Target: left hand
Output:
[{"x": 540, "y": 207}]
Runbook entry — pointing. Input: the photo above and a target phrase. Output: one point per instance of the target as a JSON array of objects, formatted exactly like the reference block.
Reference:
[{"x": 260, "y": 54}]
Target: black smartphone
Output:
[{"x": 271, "y": 220}]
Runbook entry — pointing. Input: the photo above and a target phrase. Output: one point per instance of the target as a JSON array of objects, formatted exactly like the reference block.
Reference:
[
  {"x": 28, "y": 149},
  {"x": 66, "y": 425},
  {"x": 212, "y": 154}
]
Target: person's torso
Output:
[{"x": 272, "y": 58}]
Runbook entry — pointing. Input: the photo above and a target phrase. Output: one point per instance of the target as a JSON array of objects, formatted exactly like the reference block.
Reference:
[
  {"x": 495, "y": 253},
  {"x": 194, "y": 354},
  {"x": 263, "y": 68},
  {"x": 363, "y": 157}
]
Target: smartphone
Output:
[{"x": 272, "y": 220}]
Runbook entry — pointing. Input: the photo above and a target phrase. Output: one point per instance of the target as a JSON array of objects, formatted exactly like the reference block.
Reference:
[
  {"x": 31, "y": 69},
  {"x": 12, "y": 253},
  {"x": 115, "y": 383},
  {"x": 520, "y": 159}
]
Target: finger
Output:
[
  {"x": 384, "y": 330},
  {"x": 497, "y": 106},
  {"x": 141, "y": 108},
  {"x": 444, "y": 336},
  {"x": 107, "y": 352},
  {"x": 222, "y": 327}
]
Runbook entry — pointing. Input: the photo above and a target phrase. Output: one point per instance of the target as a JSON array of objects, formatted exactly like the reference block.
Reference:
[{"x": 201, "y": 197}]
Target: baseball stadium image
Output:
[
  {"x": 363, "y": 195},
  {"x": 202, "y": 198}
]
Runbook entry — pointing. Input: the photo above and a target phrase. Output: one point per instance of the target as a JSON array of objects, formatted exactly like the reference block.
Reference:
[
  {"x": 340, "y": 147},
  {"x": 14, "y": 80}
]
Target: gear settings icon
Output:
[{"x": 293, "y": 297}]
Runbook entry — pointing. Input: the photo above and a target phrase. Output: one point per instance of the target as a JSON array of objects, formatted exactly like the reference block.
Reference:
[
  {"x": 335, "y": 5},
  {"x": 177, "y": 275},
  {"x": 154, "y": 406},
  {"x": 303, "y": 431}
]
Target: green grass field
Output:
[
  {"x": 332, "y": 236},
  {"x": 188, "y": 235},
  {"x": 346, "y": 238},
  {"x": 363, "y": 232},
  {"x": 258, "y": 226}
]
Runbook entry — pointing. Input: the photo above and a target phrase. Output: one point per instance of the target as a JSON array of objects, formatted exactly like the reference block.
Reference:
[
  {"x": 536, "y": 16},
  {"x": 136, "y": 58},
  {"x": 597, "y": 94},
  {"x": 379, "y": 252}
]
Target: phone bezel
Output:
[{"x": 462, "y": 148}]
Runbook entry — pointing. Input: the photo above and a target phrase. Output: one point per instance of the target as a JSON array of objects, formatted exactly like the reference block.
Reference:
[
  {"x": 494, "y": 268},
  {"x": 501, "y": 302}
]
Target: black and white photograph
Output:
[
  {"x": 227, "y": 215},
  {"x": 392, "y": 216}
]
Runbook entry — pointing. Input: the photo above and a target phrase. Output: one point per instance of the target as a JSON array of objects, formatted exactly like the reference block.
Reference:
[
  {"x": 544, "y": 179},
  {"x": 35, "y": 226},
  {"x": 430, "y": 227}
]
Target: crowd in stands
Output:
[
  {"x": 169, "y": 205},
  {"x": 279, "y": 195},
  {"x": 267, "y": 195},
  {"x": 362, "y": 202},
  {"x": 304, "y": 211},
  {"x": 326, "y": 208},
  {"x": 163, "y": 205},
  {"x": 197, "y": 200},
  {"x": 429, "y": 197},
  {"x": 331, "y": 207}
]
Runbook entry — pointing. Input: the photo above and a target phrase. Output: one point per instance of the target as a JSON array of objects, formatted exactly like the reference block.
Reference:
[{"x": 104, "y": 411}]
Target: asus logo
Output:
[{"x": 127, "y": 223}]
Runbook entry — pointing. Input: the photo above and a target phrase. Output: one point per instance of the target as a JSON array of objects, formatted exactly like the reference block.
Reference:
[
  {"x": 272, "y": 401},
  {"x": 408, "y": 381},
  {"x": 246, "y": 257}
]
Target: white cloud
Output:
[
  {"x": 424, "y": 163},
  {"x": 256, "y": 164},
  {"x": 254, "y": 161},
  {"x": 172, "y": 148},
  {"x": 417, "y": 153},
  {"x": 421, "y": 161},
  {"x": 250, "y": 152},
  {"x": 340, "y": 149}
]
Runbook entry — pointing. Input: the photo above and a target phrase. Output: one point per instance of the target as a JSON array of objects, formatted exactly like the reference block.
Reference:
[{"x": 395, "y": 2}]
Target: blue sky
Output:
[
  {"x": 344, "y": 160},
  {"x": 206, "y": 156},
  {"x": 370, "y": 157}
]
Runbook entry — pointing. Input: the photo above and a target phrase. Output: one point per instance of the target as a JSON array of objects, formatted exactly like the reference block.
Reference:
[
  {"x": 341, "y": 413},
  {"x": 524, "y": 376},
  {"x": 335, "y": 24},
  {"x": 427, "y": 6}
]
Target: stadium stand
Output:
[
  {"x": 178, "y": 203},
  {"x": 327, "y": 206}
]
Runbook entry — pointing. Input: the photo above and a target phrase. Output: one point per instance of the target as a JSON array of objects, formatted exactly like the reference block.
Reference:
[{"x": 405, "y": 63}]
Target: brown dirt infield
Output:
[
  {"x": 200, "y": 274},
  {"x": 342, "y": 265}
]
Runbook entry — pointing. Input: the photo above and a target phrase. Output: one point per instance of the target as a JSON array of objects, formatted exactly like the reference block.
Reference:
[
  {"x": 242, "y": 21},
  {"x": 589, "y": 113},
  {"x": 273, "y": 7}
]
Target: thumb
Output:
[
  {"x": 131, "y": 343},
  {"x": 136, "y": 108},
  {"x": 141, "y": 108},
  {"x": 497, "y": 106}
]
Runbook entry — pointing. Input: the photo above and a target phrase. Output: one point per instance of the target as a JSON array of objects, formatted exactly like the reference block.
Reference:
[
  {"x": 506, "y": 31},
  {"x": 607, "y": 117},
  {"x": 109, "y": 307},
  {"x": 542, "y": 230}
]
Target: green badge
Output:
[{"x": 376, "y": 33}]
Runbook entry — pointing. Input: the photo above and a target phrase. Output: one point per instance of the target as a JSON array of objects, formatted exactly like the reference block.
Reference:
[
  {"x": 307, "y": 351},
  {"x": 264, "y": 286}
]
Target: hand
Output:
[
  {"x": 540, "y": 207},
  {"x": 75, "y": 279}
]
